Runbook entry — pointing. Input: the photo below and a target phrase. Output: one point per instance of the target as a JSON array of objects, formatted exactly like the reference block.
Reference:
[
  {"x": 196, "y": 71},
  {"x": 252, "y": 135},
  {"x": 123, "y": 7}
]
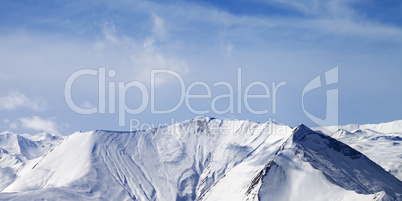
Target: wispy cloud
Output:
[
  {"x": 109, "y": 31},
  {"x": 159, "y": 26},
  {"x": 87, "y": 104},
  {"x": 321, "y": 17},
  {"x": 38, "y": 124},
  {"x": 154, "y": 51},
  {"x": 13, "y": 125},
  {"x": 16, "y": 100},
  {"x": 156, "y": 54}
]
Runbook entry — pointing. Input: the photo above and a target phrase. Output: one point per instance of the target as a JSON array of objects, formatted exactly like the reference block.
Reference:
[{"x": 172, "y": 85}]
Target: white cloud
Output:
[
  {"x": 87, "y": 104},
  {"x": 159, "y": 26},
  {"x": 229, "y": 49},
  {"x": 156, "y": 55},
  {"x": 141, "y": 55},
  {"x": 38, "y": 124},
  {"x": 16, "y": 100},
  {"x": 324, "y": 17},
  {"x": 331, "y": 8},
  {"x": 109, "y": 31},
  {"x": 13, "y": 125}
]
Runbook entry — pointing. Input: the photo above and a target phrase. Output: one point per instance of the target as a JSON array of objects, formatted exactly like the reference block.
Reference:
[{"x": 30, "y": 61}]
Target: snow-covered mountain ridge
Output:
[
  {"x": 382, "y": 143},
  {"x": 198, "y": 159}
]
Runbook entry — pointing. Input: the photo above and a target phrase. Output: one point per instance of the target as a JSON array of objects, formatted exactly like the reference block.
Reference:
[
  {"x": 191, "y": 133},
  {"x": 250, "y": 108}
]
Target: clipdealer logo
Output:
[
  {"x": 117, "y": 94},
  {"x": 331, "y": 116},
  {"x": 148, "y": 95}
]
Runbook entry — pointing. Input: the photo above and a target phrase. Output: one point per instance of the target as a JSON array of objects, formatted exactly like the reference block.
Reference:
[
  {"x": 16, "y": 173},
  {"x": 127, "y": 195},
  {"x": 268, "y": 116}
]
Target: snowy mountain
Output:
[
  {"x": 18, "y": 150},
  {"x": 382, "y": 143},
  {"x": 199, "y": 159}
]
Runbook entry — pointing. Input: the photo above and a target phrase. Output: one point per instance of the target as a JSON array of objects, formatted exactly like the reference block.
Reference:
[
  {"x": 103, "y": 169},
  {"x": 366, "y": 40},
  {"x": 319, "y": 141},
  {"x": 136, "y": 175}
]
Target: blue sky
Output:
[{"x": 43, "y": 43}]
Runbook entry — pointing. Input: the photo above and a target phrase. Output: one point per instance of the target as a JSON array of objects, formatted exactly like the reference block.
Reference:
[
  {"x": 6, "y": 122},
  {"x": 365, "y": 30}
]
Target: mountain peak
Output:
[
  {"x": 327, "y": 161},
  {"x": 301, "y": 131}
]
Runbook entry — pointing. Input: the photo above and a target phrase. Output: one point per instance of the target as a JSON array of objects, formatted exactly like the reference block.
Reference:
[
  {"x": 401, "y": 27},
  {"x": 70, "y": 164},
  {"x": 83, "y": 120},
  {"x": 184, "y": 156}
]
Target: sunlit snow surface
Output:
[
  {"x": 199, "y": 159},
  {"x": 382, "y": 143}
]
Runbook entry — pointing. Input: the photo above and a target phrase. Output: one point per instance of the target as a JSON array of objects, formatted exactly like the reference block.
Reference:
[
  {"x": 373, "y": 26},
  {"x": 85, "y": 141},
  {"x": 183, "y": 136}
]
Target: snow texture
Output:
[{"x": 199, "y": 159}]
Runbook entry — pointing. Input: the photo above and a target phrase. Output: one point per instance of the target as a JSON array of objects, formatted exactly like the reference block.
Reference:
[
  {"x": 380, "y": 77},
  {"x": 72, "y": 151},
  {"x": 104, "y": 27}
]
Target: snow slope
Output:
[
  {"x": 72, "y": 157},
  {"x": 16, "y": 150},
  {"x": 201, "y": 159},
  {"x": 315, "y": 166},
  {"x": 382, "y": 143}
]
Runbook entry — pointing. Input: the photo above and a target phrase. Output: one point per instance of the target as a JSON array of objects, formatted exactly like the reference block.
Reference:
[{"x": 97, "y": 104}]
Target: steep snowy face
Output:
[
  {"x": 16, "y": 149},
  {"x": 313, "y": 166},
  {"x": 182, "y": 161},
  {"x": 60, "y": 166},
  {"x": 382, "y": 143}
]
